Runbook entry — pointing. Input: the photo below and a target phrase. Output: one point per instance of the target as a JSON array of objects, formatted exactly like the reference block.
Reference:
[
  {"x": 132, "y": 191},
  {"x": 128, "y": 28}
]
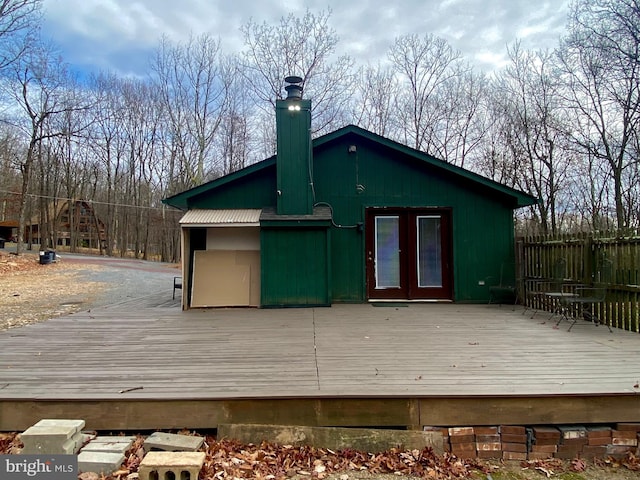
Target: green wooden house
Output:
[{"x": 348, "y": 217}]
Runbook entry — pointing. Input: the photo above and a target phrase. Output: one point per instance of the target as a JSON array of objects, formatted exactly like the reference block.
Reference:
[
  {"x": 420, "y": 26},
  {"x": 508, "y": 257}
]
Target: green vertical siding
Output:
[
  {"x": 374, "y": 175},
  {"x": 257, "y": 190},
  {"x": 294, "y": 157},
  {"x": 377, "y": 177},
  {"x": 295, "y": 267}
]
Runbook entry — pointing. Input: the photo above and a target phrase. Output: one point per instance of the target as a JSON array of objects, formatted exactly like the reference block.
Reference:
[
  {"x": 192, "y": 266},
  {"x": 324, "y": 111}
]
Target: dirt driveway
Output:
[{"x": 30, "y": 292}]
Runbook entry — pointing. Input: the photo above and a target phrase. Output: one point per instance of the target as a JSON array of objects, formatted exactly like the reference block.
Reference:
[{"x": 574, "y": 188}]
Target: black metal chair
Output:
[
  {"x": 557, "y": 289},
  {"x": 177, "y": 285},
  {"x": 506, "y": 287},
  {"x": 584, "y": 305}
]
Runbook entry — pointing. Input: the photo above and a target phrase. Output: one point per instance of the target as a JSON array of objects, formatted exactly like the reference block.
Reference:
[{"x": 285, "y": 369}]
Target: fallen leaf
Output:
[
  {"x": 88, "y": 476},
  {"x": 546, "y": 471},
  {"x": 578, "y": 465}
]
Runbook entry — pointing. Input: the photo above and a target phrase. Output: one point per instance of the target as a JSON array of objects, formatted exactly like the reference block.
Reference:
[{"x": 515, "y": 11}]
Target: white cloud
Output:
[{"x": 116, "y": 33}]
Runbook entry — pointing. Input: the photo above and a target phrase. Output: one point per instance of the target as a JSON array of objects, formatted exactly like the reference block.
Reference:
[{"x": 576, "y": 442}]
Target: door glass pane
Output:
[
  {"x": 387, "y": 252},
  {"x": 429, "y": 252}
]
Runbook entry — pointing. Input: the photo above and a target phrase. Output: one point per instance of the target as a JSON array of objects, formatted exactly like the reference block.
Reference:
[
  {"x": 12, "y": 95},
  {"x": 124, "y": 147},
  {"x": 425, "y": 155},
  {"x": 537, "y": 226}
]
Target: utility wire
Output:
[{"x": 34, "y": 195}]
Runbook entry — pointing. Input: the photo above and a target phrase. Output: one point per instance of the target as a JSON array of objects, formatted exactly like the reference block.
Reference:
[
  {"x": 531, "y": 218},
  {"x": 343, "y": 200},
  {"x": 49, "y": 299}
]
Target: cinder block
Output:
[
  {"x": 51, "y": 440},
  {"x": 99, "y": 462},
  {"x": 112, "y": 439},
  {"x": 112, "y": 447},
  {"x": 181, "y": 465},
  {"x": 572, "y": 431},
  {"x": 74, "y": 444},
  {"x": 76, "y": 425},
  {"x": 460, "y": 431},
  {"x": 172, "y": 442},
  {"x": 628, "y": 442},
  {"x": 53, "y": 433},
  {"x": 619, "y": 451}
]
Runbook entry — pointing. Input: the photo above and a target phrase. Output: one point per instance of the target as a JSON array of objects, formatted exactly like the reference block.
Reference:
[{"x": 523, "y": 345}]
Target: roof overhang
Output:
[{"x": 221, "y": 218}]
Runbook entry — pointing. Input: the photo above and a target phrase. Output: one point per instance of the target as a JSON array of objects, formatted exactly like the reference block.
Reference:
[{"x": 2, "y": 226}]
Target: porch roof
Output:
[{"x": 221, "y": 218}]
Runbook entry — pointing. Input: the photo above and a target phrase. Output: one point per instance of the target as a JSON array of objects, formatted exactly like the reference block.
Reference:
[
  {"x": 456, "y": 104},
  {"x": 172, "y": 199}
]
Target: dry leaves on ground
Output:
[
  {"x": 231, "y": 460},
  {"x": 31, "y": 293}
]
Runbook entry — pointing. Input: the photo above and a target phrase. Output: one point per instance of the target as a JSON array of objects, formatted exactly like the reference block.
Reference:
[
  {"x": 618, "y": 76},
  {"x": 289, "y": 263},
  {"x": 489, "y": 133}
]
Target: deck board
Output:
[{"x": 149, "y": 350}]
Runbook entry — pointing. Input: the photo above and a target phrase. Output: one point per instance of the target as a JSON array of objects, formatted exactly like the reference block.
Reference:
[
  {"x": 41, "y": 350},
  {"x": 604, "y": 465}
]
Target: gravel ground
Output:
[
  {"x": 123, "y": 278},
  {"x": 31, "y": 293}
]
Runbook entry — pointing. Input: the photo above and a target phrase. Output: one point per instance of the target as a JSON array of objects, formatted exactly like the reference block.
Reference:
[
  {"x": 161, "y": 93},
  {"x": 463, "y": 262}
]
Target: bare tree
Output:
[
  {"x": 303, "y": 46},
  {"x": 107, "y": 144},
  {"x": 461, "y": 125},
  {"x": 600, "y": 56},
  {"x": 373, "y": 108},
  {"x": 237, "y": 129},
  {"x": 427, "y": 66},
  {"x": 535, "y": 136},
  {"x": 40, "y": 87},
  {"x": 194, "y": 93},
  {"x": 18, "y": 22},
  {"x": 11, "y": 150}
]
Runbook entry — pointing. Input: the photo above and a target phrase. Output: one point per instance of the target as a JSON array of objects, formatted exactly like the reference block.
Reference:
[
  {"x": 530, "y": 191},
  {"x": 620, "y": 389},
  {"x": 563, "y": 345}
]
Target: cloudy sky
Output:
[{"x": 119, "y": 35}]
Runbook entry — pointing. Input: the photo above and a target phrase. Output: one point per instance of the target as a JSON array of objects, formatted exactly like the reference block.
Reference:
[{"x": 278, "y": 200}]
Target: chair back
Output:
[
  {"x": 507, "y": 273},
  {"x": 604, "y": 273},
  {"x": 559, "y": 273}
]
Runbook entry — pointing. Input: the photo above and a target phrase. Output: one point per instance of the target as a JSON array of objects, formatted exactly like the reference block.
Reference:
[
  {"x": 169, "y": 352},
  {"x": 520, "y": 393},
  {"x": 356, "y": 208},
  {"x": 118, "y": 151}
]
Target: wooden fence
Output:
[{"x": 583, "y": 255}]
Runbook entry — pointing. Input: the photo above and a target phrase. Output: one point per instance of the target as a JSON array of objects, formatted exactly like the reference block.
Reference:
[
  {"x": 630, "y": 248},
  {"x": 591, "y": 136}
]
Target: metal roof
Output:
[{"x": 221, "y": 218}]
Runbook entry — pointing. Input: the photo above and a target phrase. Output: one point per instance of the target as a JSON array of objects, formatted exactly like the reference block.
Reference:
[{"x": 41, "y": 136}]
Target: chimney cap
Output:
[
  {"x": 293, "y": 87},
  {"x": 293, "y": 79}
]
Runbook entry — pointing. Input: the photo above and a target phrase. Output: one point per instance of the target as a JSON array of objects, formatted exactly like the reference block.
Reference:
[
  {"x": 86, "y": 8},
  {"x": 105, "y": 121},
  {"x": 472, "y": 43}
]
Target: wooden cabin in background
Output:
[{"x": 69, "y": 223}]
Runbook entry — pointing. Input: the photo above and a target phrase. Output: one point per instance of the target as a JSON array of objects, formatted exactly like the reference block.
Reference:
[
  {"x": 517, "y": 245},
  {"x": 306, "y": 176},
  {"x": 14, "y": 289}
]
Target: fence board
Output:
[{"x": 585, "y": 253}]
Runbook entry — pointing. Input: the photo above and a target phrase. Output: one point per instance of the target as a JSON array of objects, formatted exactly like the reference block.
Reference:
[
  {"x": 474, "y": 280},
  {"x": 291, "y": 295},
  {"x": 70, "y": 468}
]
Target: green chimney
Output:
[{"x": 294, "y": 157}]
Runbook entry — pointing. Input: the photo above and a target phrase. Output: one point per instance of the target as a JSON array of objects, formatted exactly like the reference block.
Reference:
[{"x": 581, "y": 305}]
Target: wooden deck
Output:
[{"x": 145, "y": 364}]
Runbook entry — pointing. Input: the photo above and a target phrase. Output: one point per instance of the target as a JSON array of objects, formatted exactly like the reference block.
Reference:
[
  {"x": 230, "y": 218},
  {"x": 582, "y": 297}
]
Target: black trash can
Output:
[
  {"x": 45, "y": 258},
  {"x": 2, "y": 240},
  {"x": 52, "y": 254}
]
